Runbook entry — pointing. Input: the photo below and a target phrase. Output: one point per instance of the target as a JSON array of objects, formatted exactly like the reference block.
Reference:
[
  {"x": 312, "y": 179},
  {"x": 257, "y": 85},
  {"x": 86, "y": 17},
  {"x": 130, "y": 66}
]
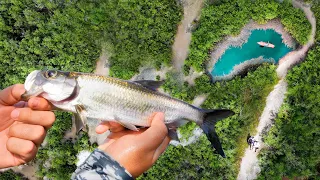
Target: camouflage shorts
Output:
[{"x": 101, "y": 166}]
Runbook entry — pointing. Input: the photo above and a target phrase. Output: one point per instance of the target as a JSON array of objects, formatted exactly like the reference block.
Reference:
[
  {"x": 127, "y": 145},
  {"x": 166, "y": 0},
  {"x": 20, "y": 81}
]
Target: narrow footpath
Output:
[{"x": 180, "y": 48}]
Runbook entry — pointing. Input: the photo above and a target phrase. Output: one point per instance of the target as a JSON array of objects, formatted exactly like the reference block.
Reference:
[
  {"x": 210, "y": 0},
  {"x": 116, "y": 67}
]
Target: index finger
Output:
[
  {"x": 28, "y": 116},
  {"x": 109, "y": 125},
  {"x": 37, "y": 103},
  {"x": 12, "y": 94}
]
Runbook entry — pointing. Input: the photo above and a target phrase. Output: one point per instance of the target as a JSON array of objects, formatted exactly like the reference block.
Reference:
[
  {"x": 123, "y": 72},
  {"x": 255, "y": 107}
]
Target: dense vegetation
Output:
[
  {"x": 45, "y": 35},
  {"x": 227, "y": 18},
  {"x": 293, "y": 142},
  {"x": 69, "y": 35},
  {"x": 141, "y": 33}
]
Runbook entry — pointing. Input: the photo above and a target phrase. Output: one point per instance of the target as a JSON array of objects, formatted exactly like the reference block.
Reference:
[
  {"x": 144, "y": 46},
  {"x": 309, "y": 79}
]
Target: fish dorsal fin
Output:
[{"x": 154, "y": 85}]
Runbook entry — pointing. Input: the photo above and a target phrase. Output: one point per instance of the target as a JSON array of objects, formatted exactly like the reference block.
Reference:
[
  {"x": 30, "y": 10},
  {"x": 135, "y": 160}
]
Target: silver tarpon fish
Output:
[{"x": 129, "y": 103}]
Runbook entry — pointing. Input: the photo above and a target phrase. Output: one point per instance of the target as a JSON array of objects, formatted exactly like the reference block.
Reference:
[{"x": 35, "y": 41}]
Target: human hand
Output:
[
  {"x": 23, "y": 126},
  {"x": 136, "y": 151}
]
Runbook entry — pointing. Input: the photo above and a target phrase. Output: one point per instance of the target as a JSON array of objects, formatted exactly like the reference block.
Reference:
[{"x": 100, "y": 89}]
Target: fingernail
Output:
[
  {"x": 35, "y": 102},
  {"x": 20, "y": 104},
  {"x": 15, "y": 114}
]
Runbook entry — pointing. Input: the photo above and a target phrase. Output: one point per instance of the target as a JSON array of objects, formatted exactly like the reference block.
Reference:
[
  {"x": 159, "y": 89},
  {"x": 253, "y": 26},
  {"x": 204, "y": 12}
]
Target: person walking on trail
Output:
[
  {"x": 248, "y": 137},
  {"x": 256, "y": 145},
  {"x": 250, "y": 141}
]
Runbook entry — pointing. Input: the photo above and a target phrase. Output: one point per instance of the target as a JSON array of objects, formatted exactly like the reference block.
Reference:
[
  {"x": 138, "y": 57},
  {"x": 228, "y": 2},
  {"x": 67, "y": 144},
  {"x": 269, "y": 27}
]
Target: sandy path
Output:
[
  {"x": 102, "y": 67},
  {"x": 249, "y": 168},
  {"x": 148, "y": 72},
  {"x": 29, "y": 171},
  {"x": 180, "y": 48},
  {"x": 192, "y": 76},
  {"x": 198, "y": 100}
]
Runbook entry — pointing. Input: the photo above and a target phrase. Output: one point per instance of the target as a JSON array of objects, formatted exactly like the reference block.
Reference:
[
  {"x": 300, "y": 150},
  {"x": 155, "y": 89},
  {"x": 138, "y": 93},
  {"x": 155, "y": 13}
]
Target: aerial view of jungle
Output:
[{"x": 258, "y": 58}]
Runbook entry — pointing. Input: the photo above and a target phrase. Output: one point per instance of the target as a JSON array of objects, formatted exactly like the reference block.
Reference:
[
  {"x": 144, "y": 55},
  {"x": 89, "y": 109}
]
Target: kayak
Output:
[{"x": 264, "y": 44}]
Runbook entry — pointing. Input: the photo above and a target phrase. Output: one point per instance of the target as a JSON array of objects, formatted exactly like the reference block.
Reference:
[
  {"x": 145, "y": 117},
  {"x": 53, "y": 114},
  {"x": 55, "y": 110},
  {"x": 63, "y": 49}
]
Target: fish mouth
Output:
[
  {"x": 28, "y": 94},
  {"x": 31, "y": 88}
]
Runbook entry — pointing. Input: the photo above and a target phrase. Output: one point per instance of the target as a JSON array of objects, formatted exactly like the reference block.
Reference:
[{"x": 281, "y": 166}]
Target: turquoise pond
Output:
[{"x": 236, "y": 55}]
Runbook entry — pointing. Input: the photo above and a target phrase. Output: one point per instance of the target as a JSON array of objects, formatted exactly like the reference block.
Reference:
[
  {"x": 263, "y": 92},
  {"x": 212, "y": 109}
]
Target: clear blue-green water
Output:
[{"x": 236, "y": 55}]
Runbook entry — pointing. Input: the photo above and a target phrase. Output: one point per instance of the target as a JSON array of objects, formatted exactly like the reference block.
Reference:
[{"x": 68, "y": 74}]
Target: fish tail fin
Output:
[{"x": 211, "y": 117}]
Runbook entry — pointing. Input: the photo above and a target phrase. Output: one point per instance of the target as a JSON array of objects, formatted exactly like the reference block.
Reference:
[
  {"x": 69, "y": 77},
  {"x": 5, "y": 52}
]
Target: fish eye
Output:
[{"x": 51, "y": 74}]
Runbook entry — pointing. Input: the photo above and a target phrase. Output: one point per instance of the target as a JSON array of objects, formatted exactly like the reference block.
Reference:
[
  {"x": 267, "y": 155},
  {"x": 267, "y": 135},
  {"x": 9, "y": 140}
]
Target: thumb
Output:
[
  {"x": 156, "y": 133},
  {"x": 12, "y": 94}
]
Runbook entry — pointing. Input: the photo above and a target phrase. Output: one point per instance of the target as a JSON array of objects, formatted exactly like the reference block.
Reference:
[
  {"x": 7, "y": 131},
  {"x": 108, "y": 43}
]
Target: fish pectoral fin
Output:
[
  {"x": 80, "y": 118},
  {"x": 154, "y": 85},
  {"x": 77, "y": 124},
  {"x": 172, "y": 133},
  {"x": 129, "y": 126}
]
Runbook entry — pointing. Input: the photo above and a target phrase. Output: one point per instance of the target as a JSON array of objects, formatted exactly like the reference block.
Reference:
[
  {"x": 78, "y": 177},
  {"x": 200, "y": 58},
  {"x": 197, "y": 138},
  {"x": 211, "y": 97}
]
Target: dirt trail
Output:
[
  {"x": 29, "y": 171},
  {"x": 102, "y": 67},
  {"x": 180, "y": 48},
  {"x": 192, "y": 76},
  {"x": 198, "y": 100},
  {"x": 249, "y": 168}
]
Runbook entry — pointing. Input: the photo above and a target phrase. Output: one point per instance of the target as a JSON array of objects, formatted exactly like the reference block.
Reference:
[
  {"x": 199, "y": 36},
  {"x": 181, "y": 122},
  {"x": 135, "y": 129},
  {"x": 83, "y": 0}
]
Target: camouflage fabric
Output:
[{"x": 100, "y": 166}]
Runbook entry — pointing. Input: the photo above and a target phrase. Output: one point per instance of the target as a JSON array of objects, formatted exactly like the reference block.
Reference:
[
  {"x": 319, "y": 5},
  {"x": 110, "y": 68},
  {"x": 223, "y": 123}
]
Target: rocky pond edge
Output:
[{"x": 242, "y": 38}]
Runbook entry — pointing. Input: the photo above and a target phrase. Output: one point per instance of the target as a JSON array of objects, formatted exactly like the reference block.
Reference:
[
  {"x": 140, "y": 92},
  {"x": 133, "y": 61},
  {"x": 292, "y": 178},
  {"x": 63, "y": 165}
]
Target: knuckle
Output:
[
  {"x": 41, "y": 130},
  {"x": 29, "y": 147},
  {"x": 10, "y": 143},
  {"x": 14, "y": 129},
  {"x": 47, "y": 118},
  {"x": 40, "y": 133},
  {"x": 24, "y": 131},
  {"x": 50, "y": 118}
]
